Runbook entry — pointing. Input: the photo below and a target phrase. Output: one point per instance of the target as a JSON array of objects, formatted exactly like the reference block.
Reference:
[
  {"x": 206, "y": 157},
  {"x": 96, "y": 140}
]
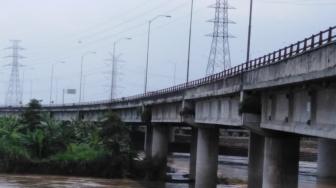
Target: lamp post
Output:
[
  {"x": 248, "y": 52},
  {"x": 189, "y": 42},
  {"x": 52, "y": 80},
  {"x": 249, "y": 33},
  {"x": 81, "y": 73},
  {"x": 114, "y": 66},
  {"x": 148, "y": 43}
]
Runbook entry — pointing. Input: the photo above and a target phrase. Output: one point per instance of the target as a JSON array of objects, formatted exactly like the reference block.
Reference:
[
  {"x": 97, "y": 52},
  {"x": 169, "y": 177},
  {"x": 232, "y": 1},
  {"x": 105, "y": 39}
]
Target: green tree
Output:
[
  {"x": 32, "y": 115},
  {"x": 115, "y": 135}
]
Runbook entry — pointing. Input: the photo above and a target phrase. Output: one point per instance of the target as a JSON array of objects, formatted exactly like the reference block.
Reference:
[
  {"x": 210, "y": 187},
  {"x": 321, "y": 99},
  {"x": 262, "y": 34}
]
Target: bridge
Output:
[{"x": 280, "y": 97}]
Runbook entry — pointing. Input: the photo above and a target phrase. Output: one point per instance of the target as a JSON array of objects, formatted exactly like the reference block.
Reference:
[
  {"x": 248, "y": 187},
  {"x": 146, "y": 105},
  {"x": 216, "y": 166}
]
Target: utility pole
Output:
[
  {"x": 14, "y": 92},
  {"x": 219, "y": 57}
]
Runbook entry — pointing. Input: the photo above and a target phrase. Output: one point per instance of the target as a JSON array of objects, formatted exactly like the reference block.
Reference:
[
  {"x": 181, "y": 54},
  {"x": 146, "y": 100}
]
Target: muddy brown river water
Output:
[{"x": 230, "y": 167}]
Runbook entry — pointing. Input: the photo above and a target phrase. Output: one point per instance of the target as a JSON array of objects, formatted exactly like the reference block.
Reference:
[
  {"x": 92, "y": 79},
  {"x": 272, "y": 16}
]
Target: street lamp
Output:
[
  {"x": 148, "y": 43},
  {"x": 248, "y": 52},
  {"x": 249, "y": 33},
  {"x": 81, "y": 73},
  {"x": 189, "y": 42},
  {"x": 114, "y": 66},
  {"x": 52, "y": 80}
]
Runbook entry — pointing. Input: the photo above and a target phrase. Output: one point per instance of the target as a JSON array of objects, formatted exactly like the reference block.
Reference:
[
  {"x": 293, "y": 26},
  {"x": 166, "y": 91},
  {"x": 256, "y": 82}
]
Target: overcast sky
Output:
[{"x": 62, "y": 30}]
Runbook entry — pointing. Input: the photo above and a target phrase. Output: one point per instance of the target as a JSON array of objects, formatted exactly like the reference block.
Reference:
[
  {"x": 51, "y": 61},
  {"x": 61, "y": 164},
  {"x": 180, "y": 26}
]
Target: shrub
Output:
[{"x": 79, "y": 153}]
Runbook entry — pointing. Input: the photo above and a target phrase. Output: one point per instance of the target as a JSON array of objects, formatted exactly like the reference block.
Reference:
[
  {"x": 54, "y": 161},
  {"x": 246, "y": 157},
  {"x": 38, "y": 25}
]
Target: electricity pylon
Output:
[
  {"x": 14, "y": 92},
  {"x": 219, "y": 58}
]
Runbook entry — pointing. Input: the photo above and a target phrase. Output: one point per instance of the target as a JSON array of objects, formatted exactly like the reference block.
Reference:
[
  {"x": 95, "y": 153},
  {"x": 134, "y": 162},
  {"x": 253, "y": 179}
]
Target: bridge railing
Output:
[{"x": 308, "y": 44}]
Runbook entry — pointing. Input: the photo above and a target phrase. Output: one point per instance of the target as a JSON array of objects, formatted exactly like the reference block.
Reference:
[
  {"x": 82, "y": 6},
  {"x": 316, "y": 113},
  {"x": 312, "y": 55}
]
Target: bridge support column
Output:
[
  {"x": 193, "y": 154},
  {"x": 160, "y": 142},
  {"x": 281, "y": 161},
  {"x": 172, "y": 134},
  {"x": 255, "y": 160},
  {"x": 148, "y": 141},
  {"x": 326, "y": 159},
  {"x": 207, "y": 158}
]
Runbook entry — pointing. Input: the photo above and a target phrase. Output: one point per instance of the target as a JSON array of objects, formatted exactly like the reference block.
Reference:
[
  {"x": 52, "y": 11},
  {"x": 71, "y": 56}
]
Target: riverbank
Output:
[{"x": 36, "y": 143}]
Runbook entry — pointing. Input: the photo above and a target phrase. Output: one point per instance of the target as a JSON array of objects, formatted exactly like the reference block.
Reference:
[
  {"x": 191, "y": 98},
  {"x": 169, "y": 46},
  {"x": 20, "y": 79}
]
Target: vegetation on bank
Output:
[{"x": 36, "y": 143}]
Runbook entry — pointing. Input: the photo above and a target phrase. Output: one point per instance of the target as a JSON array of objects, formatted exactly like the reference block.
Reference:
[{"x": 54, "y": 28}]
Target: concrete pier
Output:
[
  {"x": 326, "y": 168},
  {"x": 160, "y": 142},
  {"x": 148, "y": 141},
  {"x": 193, "y": 154},
  {"x": 172, "y": 134},
  {"x": 207, "y": 158},
  {"x": 255, "y": 160},
  {"x": 281, "y": 161}
]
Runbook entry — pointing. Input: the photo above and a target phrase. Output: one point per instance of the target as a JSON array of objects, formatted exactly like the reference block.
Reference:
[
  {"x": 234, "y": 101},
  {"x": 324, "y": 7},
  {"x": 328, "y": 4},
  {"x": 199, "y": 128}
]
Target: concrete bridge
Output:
[{"x": 279, "y": 97}]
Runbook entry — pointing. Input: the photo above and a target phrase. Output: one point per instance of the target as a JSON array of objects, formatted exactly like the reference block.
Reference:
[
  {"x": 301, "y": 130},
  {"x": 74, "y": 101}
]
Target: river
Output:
[{"x": 229, "y": 167}]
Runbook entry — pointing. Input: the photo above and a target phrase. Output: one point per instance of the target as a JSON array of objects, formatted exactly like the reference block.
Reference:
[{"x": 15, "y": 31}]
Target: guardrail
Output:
[{"x": 308, "y": 44}]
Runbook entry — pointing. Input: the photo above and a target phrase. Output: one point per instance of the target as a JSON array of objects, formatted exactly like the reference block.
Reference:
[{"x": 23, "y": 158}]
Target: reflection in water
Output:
[{"x": 229, "y": 167}]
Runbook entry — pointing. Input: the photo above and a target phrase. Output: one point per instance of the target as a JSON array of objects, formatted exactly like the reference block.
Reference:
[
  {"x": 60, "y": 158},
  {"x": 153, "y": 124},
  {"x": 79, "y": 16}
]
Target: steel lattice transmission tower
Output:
[
  {"x": 14, "y": 92},
  {"x": 219, "y": 58}
]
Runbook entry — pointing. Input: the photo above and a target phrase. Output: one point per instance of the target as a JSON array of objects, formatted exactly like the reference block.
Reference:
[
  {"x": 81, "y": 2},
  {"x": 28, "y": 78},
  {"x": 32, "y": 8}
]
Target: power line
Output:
[
  {"x": 131, "y": 28},
  {"x": 94, "y": 27},
  {"x": 132, "y": 19},
  {"x": 128, "y": 29},
  {"x": 136, "y": 17}
]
